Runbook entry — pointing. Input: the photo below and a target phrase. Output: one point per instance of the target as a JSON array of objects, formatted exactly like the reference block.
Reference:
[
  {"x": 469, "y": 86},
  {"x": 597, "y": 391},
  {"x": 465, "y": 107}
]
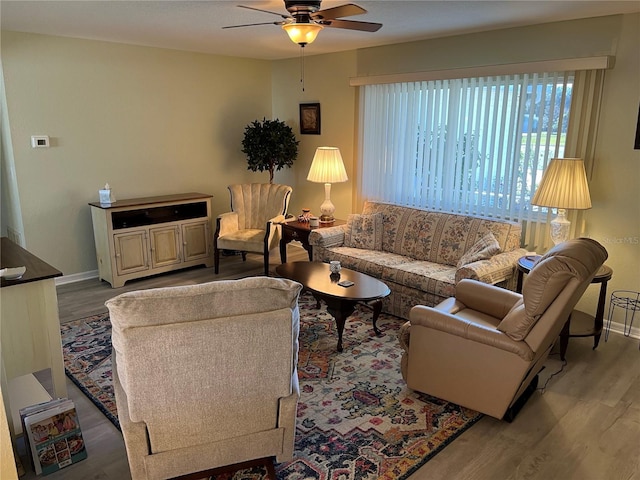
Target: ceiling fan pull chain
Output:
[{"x": 302, "y": 66}]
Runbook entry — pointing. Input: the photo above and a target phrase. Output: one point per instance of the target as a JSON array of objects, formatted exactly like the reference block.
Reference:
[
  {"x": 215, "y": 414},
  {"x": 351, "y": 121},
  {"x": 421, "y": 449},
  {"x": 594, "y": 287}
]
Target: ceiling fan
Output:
[{"x": 305, "y": 19}]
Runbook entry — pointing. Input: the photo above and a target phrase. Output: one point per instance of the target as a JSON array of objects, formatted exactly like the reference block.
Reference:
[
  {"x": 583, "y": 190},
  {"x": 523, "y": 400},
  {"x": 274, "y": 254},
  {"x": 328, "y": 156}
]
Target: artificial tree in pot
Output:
[{"x": 269, "y": 145}]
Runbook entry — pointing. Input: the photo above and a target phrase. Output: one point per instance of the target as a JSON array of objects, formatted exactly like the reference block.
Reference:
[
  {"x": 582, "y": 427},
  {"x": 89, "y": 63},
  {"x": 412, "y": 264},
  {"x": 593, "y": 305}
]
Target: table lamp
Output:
[
  {"x": 327, "y": 167},
  {"x": 563, "y": 186}
]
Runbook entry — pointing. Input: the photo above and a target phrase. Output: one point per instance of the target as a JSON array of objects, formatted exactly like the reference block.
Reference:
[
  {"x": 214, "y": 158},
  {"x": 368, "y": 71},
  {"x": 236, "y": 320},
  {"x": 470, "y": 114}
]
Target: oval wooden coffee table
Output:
[{"x": 341, "y": 301}]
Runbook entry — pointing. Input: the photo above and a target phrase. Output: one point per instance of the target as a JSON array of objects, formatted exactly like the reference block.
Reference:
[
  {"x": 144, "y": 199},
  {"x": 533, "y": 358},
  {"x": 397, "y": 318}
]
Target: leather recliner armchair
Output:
[
  {"x": 484, "y": 348},
  {"x": 205, "y": 375}
]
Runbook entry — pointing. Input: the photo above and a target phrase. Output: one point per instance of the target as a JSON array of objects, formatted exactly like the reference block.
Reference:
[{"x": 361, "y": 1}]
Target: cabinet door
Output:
[
  {"x": 131, "y": 252},
  {"x": 195, "y": 240},
  {"x": 165, "y": 246}
]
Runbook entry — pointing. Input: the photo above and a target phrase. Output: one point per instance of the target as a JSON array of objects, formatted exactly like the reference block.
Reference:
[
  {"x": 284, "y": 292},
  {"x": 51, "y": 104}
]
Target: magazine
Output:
[{"x": 53, "y": 435}]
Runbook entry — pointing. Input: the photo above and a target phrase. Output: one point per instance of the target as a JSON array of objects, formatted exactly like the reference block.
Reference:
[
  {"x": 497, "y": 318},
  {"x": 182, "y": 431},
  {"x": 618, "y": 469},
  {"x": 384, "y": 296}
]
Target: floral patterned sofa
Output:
[{"x": 421, "y": 254}]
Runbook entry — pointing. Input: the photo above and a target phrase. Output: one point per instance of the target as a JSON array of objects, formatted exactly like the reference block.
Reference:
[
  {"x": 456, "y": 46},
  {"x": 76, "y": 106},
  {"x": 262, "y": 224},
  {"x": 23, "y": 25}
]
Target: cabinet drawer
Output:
[{"x": 289, "y": 234}]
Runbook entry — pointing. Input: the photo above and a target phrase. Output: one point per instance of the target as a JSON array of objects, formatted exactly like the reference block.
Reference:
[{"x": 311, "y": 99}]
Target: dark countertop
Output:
[{"x": 13, "y": 255}]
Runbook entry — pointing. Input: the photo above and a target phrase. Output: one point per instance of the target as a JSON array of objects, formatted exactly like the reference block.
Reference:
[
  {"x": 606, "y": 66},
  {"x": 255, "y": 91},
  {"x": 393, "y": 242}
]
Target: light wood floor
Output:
[{"x": 584, "y": 426}]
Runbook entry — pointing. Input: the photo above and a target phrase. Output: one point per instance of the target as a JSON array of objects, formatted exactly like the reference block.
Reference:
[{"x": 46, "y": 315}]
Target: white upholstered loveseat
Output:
[{"x": 421, "y": 254}]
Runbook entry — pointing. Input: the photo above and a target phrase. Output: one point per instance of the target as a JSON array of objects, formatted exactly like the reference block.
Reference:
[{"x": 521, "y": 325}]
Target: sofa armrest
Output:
[
  {"x": 327, "y": 237},
  {"x": 450, "y": 306},
  {"x": 426, "y": 317},
  {"x": 272, "y": 230},
  {"x": 494, "y": 270},
  {"x": 135, "y": 433},
  {"x": 277, "y": 219},
  {"x": 227, "y": 222}
]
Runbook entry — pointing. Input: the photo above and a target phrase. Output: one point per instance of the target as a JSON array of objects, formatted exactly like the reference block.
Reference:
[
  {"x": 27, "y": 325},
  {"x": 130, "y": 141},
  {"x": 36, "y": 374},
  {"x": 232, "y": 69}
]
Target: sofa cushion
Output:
[
  {"x": 425, "y": 276},
  {"x": 483, "y": 249},
  {"x": 364, "y": 231},
  {"x": 398, "y": 269},
  {"x": 371, "y": 262}
]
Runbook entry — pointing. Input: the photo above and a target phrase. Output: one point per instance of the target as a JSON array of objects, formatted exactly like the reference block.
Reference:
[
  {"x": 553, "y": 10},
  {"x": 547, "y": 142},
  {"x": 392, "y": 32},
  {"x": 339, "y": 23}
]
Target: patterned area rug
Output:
[
  {"x": 86, "y": 346},
  {"x": 356, "y": 417}
]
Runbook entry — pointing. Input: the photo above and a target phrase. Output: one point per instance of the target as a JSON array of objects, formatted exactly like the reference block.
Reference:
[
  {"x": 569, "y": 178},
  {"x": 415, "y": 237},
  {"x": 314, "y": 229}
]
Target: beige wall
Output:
[
  {"x": 148, "y": 121},
  {"x": 614, "y": 219},
  {"x": 101, "y": 101},
  {"x": 326, "y": 82},
  {"x": 551, "y": 41}
]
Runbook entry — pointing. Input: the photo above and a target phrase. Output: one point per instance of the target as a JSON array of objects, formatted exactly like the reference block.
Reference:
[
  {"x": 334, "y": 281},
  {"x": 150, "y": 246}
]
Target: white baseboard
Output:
[
  {"x": 76, "y": 277},
  {"x": 619, "y": 328}
]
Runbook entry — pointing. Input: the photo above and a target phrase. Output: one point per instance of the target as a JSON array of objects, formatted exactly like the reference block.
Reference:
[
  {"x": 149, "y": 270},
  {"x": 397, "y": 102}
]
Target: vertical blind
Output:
[{"x": 475, "y": 146}]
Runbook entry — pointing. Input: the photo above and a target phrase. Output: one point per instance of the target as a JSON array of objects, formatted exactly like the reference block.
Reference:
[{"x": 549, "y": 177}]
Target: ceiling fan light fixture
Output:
[{"x": 302, "y": 33}]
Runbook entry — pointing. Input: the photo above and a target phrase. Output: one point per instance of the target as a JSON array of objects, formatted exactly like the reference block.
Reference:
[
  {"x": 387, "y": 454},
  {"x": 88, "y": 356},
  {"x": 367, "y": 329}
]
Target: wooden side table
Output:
[
  {"x": 579, "y": 324},
  {"x": 294, "y": 230}
]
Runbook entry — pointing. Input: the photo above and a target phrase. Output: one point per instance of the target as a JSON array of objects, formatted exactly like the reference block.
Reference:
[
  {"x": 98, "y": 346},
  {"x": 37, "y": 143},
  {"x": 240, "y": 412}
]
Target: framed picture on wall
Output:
[{"x": 310, "y": 118}]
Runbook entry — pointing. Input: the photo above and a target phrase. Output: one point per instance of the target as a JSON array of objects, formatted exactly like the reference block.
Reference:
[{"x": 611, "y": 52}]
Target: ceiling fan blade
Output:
[
  {"x": 346, "y": 10},
  {"x": 254, "y": 24},
  {"x": 286, "y": 17},
  {"x": 352, "y": 25}
]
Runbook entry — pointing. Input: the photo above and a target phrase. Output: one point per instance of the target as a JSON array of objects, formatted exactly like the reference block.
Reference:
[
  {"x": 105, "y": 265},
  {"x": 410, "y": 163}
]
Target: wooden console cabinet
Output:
[
  {"x": 144, "y": 236},
  {"x": 30, "y": 340}
]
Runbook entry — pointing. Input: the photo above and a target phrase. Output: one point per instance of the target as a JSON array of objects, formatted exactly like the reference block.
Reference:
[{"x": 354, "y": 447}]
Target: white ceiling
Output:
[{"x": 197, "y": 25}]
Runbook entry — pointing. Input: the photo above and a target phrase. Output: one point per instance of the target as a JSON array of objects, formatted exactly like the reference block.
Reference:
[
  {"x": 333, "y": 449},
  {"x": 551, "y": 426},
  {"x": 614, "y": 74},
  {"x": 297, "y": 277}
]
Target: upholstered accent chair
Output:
[
  {"x": 251, "y": 226},
  {"x": 205, "y": 375},
  {"x": 484, "y": 348}
]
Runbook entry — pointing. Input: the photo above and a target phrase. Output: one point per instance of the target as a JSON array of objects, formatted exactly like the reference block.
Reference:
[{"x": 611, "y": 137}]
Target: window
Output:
[{"x": 472, "y": 145}]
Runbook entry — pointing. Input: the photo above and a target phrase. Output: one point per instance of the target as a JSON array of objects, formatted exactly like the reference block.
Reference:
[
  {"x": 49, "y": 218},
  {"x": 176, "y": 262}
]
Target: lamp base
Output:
[
  {"x": 327, "y": 219},
  {"x": 327, "y": 208},
  {"x": 560, "y": 227}
]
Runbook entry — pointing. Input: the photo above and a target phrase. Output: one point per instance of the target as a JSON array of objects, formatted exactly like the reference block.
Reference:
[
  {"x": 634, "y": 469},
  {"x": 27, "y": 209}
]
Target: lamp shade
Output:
[
  {"x": 302, "y": 33},
  {"x": 563, "y": 185},
  {"x": 327, "y": 166}
]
